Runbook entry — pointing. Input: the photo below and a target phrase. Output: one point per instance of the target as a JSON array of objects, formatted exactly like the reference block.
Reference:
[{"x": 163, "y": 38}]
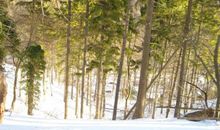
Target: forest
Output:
[{"x": 110, "y": 59}]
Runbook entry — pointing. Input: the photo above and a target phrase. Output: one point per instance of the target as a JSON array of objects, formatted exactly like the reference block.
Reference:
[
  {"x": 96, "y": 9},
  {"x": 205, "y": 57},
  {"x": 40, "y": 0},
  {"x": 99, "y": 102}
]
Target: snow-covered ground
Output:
[
  {"x": 49, "y": 114},
  {"x": 35, "y": 123}
]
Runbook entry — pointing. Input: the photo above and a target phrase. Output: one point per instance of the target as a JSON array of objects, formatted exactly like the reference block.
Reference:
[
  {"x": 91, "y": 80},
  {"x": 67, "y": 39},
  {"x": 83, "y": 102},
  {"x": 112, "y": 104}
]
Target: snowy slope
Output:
[{"x": 33, "y": 123}]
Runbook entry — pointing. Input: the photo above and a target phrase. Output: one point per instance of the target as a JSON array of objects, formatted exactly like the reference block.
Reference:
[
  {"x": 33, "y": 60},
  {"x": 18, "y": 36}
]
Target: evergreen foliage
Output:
[{"x": 33, "y": 66}]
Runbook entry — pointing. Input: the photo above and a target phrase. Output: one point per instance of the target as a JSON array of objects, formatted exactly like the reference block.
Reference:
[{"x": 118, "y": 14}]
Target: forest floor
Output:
[
  {"x": 16, "y": 122},
  {"x": 49, "y": 114}
]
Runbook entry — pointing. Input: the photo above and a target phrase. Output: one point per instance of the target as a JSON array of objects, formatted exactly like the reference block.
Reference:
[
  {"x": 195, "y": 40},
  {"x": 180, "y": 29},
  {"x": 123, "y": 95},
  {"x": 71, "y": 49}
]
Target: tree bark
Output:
[
  {"x": 182, "y": 66},
  {"x": 217, "y": 76},
  {"x": 121, "y": 60},
  {"x": 103, "y": 94},
  {"x": 140, "y": 103},
  {"x": 15, "y": 86},
  {"x": 84, "y": 57},
  {"x": 3, "y": 93},
  {"x": 173, "y": 86},
  {"x": 77, "y": 96},
  {"x": 72, "y": 85},
  {"x": 67, "y": 61},
  {"x": 30, "y": 94},
  {"x": 155, "y": 98},
  {"x": 90, "y": 97},
  {"x": 128, "y": 87},
  {"x": 99, "y": 92}
]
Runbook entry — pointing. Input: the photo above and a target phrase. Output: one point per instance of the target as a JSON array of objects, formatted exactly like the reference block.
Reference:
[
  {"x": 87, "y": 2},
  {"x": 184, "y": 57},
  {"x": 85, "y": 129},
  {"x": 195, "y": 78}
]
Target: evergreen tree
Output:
[{"x": 33, "y": 66}]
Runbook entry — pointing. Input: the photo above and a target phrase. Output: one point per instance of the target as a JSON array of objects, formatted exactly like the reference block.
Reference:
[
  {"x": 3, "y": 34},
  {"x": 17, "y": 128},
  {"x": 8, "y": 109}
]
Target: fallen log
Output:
[{"x": 200, "y": 115}]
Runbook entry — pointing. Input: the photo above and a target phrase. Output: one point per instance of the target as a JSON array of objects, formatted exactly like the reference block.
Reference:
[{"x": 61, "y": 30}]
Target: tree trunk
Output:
[
  {"x": 15, "y": 87},
  {"x": 182, "y": 66},
  {"x": 20, "y": 88},
  {"x": 72, "y": 85},
  {"x": 87, "y": 90},
  {"x": 128, "y": 87},
  {"x": 217, "y": 76},
  {"x": 99, "y": 92},
  {"x": 155, "y": 99},
  {"x": 77, "y": 96},
  {"x": 186, "y": 86},
  {"x": 173, "y": 86},
  {"x": 84, "y": 57},
  {"x": 3, "y": 93},
  {"x": 90, "y": 97},
  {"x": 121, "y": 60},
  {"x": 103, "y": 94},
  {"x": 30, "y": 94},
  {"x": 190, "y": 94},
  {"x": 67, "y": 61},
  {"x": 164, "y": 78},
  {"x": 140, "y": 103}
]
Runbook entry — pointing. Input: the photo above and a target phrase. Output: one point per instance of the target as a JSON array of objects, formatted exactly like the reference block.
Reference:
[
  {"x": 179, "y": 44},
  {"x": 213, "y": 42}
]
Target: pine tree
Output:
[{"x": 33, "y": 67}]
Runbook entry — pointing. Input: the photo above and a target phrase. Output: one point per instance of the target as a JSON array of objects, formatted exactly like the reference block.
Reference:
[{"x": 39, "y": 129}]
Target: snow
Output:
[
  {"x": 49, "y": 114},
  {"x": 18, "y": 122}
]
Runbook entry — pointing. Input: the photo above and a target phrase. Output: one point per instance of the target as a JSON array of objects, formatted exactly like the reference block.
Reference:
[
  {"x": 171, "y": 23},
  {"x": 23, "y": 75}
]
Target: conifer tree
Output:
[{"x": 32, "y": 70}]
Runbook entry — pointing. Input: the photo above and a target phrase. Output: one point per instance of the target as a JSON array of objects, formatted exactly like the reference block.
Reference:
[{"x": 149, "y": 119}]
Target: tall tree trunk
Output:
[
  {"x": 140, "y": 103},
  {"x": 20, "y": 88},
  {"x": 163, "y": 92},
  {"x": 165, "y": 55},
  {"x": 51, "y": 81},
  {"x": 72, "y": 85},
  {"x": 128, "y": 87},
  {"x": 155, "y": 98},
  {"x": 90, "y": 97},
  {"x": 15, "y": 86},
  {"x": 103, "y": 94},
  {"x": 67, "y": 61},
  {"x": 217, "y": 76},
  {"x": 3, "y": 93},
  {"x": 77, "y": 96},
  {"x": 186, "y": 86},
  {"x": 190, "y": 93},
  {"x": 193, "y": 93},
  {"x": 51, "y": 76},
  {"x": 99, "y": 91},
  {"x": 30, "y": 94},
  {"x": 84, "y": 57},
  {"x": 173, "y": 86},
  {"x": 127, "y": 13},
  {"x": 87, "y": 90},
  {"x": 182, "y": 66}
]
